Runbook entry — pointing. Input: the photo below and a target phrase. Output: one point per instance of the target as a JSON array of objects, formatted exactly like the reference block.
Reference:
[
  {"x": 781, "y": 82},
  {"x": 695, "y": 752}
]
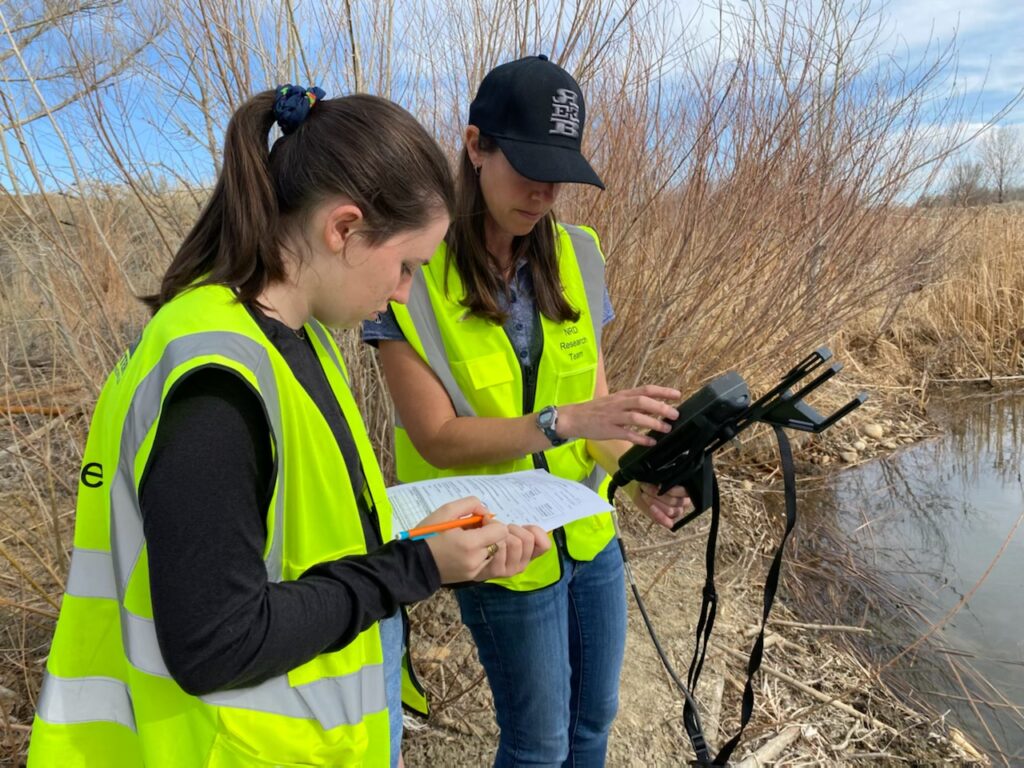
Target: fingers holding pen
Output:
[
  {"x": 461, "y": 553},
  {"x": 522, "y": 545},
  {"x": 493, "y": 550}
]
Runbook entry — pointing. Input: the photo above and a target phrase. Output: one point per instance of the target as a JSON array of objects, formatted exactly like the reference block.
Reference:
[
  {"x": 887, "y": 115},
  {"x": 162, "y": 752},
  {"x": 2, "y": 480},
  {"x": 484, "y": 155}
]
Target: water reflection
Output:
[{"x": 938, "y": 528}]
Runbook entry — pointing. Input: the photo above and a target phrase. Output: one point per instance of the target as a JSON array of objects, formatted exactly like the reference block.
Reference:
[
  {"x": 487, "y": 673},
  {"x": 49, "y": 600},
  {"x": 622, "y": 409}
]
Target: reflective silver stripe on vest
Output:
[
  {"x": 91, "y": 574},
  {"x": 321, "y": 333},
  {"x": 65, "y": 701},
  {"x": 332, "y": 701},
  {"x": 421, "y": 310},
  {"x": 126, "y": 533},
  {"x": 592, "y": 271},
  {"x": 595, "y": 478},
  {"x": 141, "y": 645}
]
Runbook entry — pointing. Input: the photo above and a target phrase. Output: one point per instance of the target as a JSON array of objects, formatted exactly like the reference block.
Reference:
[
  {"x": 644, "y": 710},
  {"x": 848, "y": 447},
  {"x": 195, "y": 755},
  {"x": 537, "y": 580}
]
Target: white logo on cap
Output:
[{"x": 565, "y": 113}]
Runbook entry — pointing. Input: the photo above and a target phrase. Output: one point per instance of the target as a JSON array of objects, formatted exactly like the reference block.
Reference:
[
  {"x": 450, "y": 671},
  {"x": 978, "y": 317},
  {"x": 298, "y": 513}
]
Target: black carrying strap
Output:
[
  {"x": 708, "y": 609},
  {"x": 709, "y": 605}
]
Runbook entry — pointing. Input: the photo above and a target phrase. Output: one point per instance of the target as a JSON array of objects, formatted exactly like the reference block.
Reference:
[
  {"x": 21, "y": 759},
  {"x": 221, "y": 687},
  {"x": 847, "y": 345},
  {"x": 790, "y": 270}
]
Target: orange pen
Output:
[{"x": 426, "y": 531}]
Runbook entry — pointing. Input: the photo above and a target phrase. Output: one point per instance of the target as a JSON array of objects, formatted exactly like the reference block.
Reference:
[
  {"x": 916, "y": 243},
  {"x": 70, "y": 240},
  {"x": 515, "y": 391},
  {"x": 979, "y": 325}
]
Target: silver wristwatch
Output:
[{"x": 547, "y": 422}]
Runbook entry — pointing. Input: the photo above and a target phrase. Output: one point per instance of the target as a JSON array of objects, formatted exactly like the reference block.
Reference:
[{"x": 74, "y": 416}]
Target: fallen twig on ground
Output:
[
  {"x": 832, "y": 701},
  {"x": 821, "y": 627},
  {"x": 771, "y": 749}
]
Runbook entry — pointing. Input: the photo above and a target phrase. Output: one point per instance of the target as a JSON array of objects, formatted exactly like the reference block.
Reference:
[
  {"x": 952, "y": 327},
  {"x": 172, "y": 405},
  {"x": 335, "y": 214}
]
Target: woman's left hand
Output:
[{"x": 665, "y": 509}]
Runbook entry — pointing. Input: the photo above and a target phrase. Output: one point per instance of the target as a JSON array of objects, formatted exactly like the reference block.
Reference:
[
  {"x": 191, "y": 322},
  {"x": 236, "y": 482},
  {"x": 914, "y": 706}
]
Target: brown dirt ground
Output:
[{"x": 648, "y": 729}]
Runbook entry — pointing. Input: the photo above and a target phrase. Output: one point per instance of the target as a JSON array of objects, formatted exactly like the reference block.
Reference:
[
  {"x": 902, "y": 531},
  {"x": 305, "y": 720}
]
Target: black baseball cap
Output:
[{"x": 534, "y": 111}]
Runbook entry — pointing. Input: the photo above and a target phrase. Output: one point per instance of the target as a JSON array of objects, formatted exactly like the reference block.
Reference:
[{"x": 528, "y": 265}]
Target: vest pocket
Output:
[
  {"x": 576, "y": 385},
  {"x": 227, "y": 753},
  {"x": 251, "y": 739},
  {"x": 492, "y": 383},
  {"x": 487, "y": 371}
]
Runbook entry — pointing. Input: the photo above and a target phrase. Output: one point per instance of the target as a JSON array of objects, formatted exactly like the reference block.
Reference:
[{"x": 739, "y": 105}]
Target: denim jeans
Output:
[
  {"x": 392, "y": 641},
  {"x": 553, "y": 657}
]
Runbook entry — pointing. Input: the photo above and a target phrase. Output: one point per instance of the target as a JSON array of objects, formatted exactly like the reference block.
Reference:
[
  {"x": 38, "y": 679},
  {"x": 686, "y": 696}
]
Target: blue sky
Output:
[{"x": 989, "y": 37}]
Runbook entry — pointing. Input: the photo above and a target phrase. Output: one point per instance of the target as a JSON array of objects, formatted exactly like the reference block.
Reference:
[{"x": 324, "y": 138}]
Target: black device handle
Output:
[{"x": 683, "y": 456}]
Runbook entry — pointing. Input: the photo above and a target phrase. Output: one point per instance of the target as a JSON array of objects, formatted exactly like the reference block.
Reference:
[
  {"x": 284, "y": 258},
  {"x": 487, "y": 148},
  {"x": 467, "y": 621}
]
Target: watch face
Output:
[{"x": 546, "y": 419}]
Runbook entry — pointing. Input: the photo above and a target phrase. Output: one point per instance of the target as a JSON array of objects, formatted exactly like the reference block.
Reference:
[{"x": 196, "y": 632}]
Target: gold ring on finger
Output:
[{"x": 492, "y": 550}]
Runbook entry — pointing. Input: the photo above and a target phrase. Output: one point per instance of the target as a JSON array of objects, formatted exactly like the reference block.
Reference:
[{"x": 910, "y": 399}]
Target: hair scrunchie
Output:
[{"x": 292, "y": 105}]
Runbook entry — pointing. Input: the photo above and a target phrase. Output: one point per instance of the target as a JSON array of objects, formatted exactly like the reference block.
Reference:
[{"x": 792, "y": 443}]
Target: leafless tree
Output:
[
  {"x": 965, "y": 183},
  {"x": 1002, "y": 156}
]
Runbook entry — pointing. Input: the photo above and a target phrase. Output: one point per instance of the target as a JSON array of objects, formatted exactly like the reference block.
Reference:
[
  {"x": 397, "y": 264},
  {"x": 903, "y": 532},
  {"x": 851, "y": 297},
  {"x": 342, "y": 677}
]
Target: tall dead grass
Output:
[
  {"x": 967, "y": 325},
  {"x": 757, "y": 161}
]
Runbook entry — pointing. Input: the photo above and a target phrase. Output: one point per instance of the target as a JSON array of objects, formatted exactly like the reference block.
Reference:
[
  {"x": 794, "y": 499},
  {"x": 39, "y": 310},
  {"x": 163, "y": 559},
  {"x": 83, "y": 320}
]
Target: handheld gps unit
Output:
[{"x": 708, "y": 420}]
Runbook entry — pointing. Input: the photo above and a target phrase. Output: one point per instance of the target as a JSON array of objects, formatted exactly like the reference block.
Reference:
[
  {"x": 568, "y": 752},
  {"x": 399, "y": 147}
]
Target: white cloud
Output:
[
  {"x": 988, "y": 35},
  {"x": 918, "y": 21}
]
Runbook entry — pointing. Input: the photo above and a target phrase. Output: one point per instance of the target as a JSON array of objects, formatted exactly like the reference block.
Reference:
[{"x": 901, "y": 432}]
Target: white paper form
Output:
[{"x": 531, "y": 497}]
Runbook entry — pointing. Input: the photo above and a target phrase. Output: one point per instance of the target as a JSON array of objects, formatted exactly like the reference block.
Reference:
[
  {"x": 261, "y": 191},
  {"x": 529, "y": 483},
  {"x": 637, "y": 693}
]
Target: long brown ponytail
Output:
[{"x": 362, "y": 147}]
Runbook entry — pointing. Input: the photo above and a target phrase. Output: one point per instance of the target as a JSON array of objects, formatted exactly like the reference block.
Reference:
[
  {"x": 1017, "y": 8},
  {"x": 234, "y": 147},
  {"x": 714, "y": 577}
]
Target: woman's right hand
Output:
[
  {"x": 624, "y": 415},
  {"x": 493, "y": 550}
]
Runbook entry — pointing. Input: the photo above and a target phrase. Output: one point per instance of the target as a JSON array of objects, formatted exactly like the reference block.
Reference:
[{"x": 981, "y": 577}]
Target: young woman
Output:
[
  {"x": 496, "y": 366},
  {"x": 233, "y": 570}
]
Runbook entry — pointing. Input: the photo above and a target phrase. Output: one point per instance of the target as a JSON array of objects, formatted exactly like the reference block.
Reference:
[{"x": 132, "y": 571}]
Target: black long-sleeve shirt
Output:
[{"x": 204, "y": 499}]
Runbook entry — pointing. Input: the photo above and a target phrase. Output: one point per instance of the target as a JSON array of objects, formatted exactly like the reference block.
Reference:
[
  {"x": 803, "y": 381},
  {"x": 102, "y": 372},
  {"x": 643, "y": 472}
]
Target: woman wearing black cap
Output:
[{"x": 495, "y": 366}]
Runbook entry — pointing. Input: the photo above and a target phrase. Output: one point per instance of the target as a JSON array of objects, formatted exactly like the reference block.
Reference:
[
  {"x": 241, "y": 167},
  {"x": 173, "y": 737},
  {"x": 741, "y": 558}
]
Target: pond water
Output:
[{"x": 941, "y": 524}]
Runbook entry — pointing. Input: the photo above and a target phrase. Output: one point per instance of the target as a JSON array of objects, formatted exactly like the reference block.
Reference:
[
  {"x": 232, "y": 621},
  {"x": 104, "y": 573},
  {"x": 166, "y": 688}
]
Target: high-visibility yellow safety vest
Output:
[
  {"x": 477, "y": 364},
  {"x": 107, "y": 697}
]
